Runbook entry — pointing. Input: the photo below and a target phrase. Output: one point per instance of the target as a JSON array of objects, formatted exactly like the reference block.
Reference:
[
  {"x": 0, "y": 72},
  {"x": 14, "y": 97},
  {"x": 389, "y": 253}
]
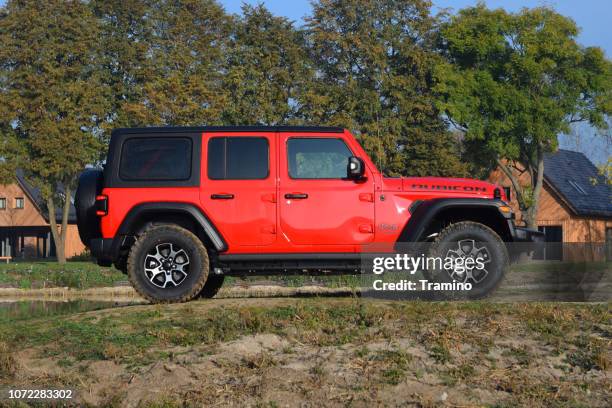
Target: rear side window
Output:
[
  {"x": 317, "y": 158},
  {"x": 156, "y": 159},
  {"x": 238, "y": 158}
]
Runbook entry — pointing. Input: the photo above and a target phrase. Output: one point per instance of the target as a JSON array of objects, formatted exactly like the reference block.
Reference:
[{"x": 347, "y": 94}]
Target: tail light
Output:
[{"x": 101, "y": 205}]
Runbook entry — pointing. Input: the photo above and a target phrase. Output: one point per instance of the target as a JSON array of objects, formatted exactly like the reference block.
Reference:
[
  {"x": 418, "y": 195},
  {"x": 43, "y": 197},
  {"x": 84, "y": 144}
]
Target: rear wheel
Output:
[
  {"x": 168, "y": 264},
  {"x": 479, "y": 255}
]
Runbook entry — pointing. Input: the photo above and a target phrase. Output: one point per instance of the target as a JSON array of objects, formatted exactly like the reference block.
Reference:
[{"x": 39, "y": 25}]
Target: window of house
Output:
[
  {"x": 156, "y": 159},
  {"x": 19, "y": 203},
  {"x": 238, "y": 158},
  {"x": 2, "y": 203},
  {"x": 317, "y": 158}
]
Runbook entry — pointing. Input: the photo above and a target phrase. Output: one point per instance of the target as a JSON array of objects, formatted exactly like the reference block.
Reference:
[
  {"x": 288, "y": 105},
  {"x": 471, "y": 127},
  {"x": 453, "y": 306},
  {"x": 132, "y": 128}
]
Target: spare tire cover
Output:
[{"x": 90, "y": 185}]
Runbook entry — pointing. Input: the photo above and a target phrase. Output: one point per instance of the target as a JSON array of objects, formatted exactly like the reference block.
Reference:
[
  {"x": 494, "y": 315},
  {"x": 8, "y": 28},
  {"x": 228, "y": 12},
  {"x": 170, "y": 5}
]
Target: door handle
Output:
[
  {"x": 366, "y": 228},
  {"x": 222, "y": 196},
  {"x": 296, "y": 196}
]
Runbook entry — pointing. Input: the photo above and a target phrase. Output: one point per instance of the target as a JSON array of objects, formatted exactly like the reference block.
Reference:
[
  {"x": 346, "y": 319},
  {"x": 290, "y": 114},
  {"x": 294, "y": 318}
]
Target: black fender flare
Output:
[
  {"x": 137, "y": 212},
  {"x": 424, "y": 212}
]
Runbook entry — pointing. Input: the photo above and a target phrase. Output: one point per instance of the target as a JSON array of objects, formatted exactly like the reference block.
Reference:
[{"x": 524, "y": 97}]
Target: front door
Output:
[
  {"x": 238, "y": 190},
  {"x": 318, "y": 205}
]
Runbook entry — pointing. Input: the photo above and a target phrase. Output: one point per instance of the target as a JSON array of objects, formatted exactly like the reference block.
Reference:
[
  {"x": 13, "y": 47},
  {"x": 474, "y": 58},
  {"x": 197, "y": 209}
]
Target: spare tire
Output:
[{"x": 90, "y": 185}]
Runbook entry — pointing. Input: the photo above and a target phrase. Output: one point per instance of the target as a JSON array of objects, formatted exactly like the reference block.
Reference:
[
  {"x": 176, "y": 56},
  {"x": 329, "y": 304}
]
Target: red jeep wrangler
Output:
[{"x": 178, "y": 208}]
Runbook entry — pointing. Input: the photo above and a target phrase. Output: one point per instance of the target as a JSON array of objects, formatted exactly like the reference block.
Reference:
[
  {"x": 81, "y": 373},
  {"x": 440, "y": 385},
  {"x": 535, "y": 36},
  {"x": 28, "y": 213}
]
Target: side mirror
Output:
[{"x": 355, "y": 169}]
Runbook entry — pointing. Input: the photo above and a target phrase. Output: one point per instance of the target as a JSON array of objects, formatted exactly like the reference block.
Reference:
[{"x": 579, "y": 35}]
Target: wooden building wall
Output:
[
  {"x": 73, "y": 246},
  {"x": 12, "y": 217}
]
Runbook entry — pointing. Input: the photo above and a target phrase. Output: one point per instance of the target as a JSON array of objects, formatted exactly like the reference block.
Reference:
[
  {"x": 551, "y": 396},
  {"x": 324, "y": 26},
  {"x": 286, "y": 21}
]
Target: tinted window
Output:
[
  {"x": 312, "y": 158},
  {"x": 156, "y": 159},
  {"x": 238, "y": 158}
]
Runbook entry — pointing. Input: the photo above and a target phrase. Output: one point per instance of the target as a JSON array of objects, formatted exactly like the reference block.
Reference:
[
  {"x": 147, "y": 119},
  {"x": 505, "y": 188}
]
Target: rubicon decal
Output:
[{"x": 448, "y": 188}]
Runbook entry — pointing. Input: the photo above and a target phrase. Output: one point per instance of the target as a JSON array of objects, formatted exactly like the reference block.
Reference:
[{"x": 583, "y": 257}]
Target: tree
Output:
[
  {"x": 513, "y": 82},
  {"x": 164, "y": 60},
  {"x": 180, "y": 82},
  {"x": 52, "y": 99},
  {"x": 265, "y": 70},
  {"x": 126, "y": 30},
  {"x": 374, "y": 63}
]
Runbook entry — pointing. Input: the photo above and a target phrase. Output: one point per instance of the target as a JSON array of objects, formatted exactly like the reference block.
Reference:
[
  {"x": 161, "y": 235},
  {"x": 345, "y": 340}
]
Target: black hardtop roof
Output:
[{"x": 186, "y": 129}]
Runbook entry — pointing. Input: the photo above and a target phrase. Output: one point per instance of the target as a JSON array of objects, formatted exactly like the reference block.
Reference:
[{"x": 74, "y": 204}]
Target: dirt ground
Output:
[{"x": 417, "y": 355}]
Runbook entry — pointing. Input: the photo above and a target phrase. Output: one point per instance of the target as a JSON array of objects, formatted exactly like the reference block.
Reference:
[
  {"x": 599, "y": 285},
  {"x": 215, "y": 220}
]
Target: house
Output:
[
  {"x": 24, "y": 224},
  {"x": 575, "y": 203}
]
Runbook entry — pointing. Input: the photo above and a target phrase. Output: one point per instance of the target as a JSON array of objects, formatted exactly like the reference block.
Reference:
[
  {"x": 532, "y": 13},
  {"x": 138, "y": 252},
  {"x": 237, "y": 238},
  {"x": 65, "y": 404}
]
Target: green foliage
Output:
[
  {"x": 52, "y": 97},
  {"x": 374, "y": 64},
  {"x": 266, "y": 69},
  {"x": 514, "y": 81},
  {"x": 164, "y": 60},
  {"x": 125, "y": 37},
  {"x": 605, "y": 173}
]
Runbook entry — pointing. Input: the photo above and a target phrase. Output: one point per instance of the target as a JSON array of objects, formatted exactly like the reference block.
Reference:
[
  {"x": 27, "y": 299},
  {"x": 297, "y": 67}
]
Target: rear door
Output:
[
  {"x": 318, "y": 205},
  {"x": 238, "y": 189}
]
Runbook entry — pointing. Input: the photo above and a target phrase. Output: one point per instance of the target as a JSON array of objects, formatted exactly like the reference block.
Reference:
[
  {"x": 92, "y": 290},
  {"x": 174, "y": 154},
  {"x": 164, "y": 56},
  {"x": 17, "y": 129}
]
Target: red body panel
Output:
[
  {"x": 122, "y": 200},
  {"x": 336, "y": 212},
  {"x": 339, "y": 215},
  {"x": 249, "y": 219}
]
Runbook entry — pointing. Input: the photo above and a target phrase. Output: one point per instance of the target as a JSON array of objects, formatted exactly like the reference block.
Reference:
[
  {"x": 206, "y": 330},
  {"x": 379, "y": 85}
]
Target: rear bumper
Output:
[{"x": 103, "y": 250}]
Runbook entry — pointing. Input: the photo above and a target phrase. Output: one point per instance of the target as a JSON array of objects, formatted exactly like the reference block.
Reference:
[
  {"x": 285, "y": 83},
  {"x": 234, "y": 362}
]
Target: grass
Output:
[
  {"x": 125, "y": 334},
  {"x": 79, "y": 275},
  {"x": 7, "y": 361},
  {"x": 86, "y": 274},
  {"x": 140, "y": 336},
  {"x": 396, "y": 365},
  {"x": 331, "y": 281}
]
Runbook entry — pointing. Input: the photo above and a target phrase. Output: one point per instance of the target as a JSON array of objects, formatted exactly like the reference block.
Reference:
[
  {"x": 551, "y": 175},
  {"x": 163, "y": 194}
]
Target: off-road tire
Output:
[
  {"x": 484, "y": 236},
  {"x": 198, "y": 264},
  {"x": 212, "y": 286},
  {"x": 121, "y": 264}
]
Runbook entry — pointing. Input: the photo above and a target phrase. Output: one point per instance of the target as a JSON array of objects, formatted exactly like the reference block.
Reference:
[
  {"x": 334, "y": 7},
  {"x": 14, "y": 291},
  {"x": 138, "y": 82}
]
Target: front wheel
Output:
[
  {"x": 471, "y": 253},
  {"x": 212, "y": 286},
  {"x": 168, "y": 264}
]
